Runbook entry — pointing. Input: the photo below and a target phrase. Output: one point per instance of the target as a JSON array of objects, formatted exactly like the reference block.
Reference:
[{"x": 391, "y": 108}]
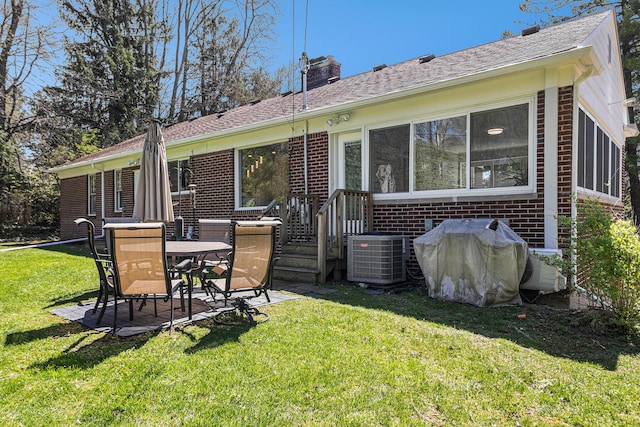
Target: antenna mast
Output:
[{"x": 305, "y": 69}]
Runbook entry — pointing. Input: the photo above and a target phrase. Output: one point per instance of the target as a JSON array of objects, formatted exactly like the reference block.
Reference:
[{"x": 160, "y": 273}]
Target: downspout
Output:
[
  {"x": 574, "y": 166},
  {"x": 102, "y": 199},
  {"x": 305, "y": 70},
  {"x": 306, "y": 160}
]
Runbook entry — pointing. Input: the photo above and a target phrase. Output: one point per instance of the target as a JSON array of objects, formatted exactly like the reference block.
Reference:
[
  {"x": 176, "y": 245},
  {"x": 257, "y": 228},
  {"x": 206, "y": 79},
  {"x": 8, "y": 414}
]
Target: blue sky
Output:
[{"x": 362, "y": 34}]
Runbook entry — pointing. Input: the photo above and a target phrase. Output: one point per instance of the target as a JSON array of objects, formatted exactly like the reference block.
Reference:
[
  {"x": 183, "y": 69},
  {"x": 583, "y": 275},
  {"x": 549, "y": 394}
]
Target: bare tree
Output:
[
  {"x": 220, "y": 51},
  {"x": 22, "y": 47}
]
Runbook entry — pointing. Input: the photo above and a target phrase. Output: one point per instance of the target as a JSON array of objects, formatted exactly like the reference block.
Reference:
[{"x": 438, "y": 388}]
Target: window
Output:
[
  {"x": 599, "y": 158},
  {"x": 500, "y": 147},
  {"x": 389, "y": 159},
  {"x": 440, "y": 154},
  {"x": 178, "y": 176},
  {"x": 352, "y": 165},
  {"x": 264, "y": 174},
  {"x": 466, "y": 153},
  {"x": 117, "y": 190},
  {"x": 91, "y": 196}
]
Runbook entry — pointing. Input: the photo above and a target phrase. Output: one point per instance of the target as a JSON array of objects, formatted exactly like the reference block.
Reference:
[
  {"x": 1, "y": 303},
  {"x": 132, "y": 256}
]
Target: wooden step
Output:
[{"x": 295, "y": 274}]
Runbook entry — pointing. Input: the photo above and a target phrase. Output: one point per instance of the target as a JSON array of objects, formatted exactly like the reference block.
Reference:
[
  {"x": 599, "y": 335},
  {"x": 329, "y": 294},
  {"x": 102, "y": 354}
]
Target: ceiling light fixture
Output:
[{"x": 495, "y": 131}]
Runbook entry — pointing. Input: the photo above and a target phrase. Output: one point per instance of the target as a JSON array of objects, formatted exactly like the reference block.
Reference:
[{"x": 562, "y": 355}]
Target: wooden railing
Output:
[
  {"x": 299, "y": 218},
  {"x": 345, "y": 213},
  {"x": 272, "y": 209}
]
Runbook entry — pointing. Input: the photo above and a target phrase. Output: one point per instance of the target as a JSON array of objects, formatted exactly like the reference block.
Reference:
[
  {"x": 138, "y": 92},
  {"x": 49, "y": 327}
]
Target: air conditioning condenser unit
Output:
[{"x": 377, "y": 259}]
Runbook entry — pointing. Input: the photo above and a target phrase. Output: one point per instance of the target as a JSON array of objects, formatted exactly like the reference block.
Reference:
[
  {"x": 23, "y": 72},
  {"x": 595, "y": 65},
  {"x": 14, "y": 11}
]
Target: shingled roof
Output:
[{"x": 370, "y": 86}]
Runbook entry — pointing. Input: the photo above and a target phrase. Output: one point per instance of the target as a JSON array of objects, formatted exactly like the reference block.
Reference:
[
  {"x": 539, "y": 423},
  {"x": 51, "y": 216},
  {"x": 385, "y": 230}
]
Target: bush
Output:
[{"x": 608, "y": 262}]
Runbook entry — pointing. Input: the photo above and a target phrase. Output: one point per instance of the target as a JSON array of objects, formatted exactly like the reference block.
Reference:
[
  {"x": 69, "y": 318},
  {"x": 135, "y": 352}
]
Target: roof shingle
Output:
[{"x": 403, "y": 76}]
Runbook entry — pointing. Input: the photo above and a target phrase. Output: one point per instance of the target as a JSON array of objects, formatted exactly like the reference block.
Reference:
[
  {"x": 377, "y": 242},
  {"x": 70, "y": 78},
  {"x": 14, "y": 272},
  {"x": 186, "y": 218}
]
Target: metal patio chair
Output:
[
  {"x": 248, "y": 272},
  {"x": 115, "y": 220},
  {"x": 141, "y": 269},
  {"x": 218, "y": 230},
  {"x": 103, "y": 265}
]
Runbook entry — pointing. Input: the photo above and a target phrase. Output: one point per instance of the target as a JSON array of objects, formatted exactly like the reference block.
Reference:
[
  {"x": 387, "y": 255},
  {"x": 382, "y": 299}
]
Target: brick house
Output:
[{"x": 511, "y": 129}]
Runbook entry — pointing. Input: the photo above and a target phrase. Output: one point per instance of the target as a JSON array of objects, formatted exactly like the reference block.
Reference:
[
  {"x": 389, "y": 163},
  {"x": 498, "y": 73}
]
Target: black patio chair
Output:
[
  {"x": 248, "y": 271},
  {"x": 115, "y": 220},
  {"x": 216, "y": 230},
  {"x": 103, "y": 265},
  {"x": 141, "y": 269}
]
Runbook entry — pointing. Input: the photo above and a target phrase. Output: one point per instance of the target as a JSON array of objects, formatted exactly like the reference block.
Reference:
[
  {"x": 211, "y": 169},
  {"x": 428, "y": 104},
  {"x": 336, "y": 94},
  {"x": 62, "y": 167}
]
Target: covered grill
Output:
[{"x": 474, "y": 261}]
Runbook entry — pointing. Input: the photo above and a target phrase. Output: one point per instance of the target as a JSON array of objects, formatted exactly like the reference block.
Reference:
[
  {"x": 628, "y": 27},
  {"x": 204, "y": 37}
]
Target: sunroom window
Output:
[
  {"x": 469, "y": 153},
  {"x": 499, "y": 147},
  {"x": 389, "y": 159},
  {"x": 440, "y": 154},
  {"x": 264, "y": 174},
  {"x": 599, "y": 158}
]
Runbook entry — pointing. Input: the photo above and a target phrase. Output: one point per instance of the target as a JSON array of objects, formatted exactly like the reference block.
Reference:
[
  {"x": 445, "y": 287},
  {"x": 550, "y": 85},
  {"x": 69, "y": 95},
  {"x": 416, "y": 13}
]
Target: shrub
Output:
[{"x": 608, "y": 262}]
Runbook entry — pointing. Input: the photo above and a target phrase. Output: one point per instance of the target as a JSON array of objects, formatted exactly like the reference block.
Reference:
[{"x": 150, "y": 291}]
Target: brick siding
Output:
[
  {"x": 317, "y": 164},
  {"x": 214, "y": 179},
  {"x": 73, "y": 204}
]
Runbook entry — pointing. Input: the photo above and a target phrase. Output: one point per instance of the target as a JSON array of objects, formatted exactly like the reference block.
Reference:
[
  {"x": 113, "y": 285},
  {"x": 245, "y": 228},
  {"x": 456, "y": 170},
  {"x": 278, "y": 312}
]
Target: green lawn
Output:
[{"x": 346, "y": 359}]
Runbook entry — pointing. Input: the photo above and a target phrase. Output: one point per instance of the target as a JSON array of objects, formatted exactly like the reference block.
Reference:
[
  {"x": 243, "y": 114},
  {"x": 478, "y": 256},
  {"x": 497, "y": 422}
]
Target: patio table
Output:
[{"x": 196, "y": 249}]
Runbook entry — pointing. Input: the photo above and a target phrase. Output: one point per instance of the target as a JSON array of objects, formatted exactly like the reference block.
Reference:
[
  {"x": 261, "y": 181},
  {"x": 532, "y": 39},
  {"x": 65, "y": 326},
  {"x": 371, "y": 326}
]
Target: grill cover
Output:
[{"x": 465, "y": 260}]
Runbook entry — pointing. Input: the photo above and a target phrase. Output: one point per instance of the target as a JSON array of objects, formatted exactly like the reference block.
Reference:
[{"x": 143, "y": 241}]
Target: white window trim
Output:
[
  {"x": 466, "y": 192},
  {"x": 337, "y": 163},
  {"x": 237, "y": 160},
  {"x": 182, "y": 191},
  {"x": 115, "y": 190},
  {"x": 94, "y": 194}
]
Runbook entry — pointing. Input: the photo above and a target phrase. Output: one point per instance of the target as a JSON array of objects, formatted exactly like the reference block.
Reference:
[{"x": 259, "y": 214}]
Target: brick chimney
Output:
[{"x": 320, "y": 74}]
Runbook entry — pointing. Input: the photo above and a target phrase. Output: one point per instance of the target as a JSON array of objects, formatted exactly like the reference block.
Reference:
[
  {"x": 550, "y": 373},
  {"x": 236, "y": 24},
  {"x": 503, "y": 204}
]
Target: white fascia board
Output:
[{"x": 93, "y": 163}]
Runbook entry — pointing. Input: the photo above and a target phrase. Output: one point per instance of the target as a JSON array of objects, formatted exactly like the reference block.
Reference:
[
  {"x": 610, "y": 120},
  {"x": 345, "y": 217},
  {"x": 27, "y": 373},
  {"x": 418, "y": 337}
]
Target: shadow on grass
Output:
[
  {"x": 53, "y": 331},
  {"x": 580, "y": 335},
  {"x": 75, "y": 299},
  {"x": 217, "y": 336},
  {"x": 83, "y": 353}
]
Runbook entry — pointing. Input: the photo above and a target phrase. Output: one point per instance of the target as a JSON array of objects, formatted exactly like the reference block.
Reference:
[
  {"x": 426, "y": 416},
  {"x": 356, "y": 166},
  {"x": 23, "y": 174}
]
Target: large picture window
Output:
[
  {"x": 599, "y": 158},
  {"x": 499, "y": 147},
  {"x": 440, "y": 154},
  {"x": 264, "y": 174},
  {"x": 472, "y": 152},
  {"x": 389, "y": 155}
]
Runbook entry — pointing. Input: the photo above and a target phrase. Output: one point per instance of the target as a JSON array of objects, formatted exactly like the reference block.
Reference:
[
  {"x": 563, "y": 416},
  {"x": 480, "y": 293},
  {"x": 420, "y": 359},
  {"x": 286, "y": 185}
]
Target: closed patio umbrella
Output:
[{"x": 153, "y": 198}]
